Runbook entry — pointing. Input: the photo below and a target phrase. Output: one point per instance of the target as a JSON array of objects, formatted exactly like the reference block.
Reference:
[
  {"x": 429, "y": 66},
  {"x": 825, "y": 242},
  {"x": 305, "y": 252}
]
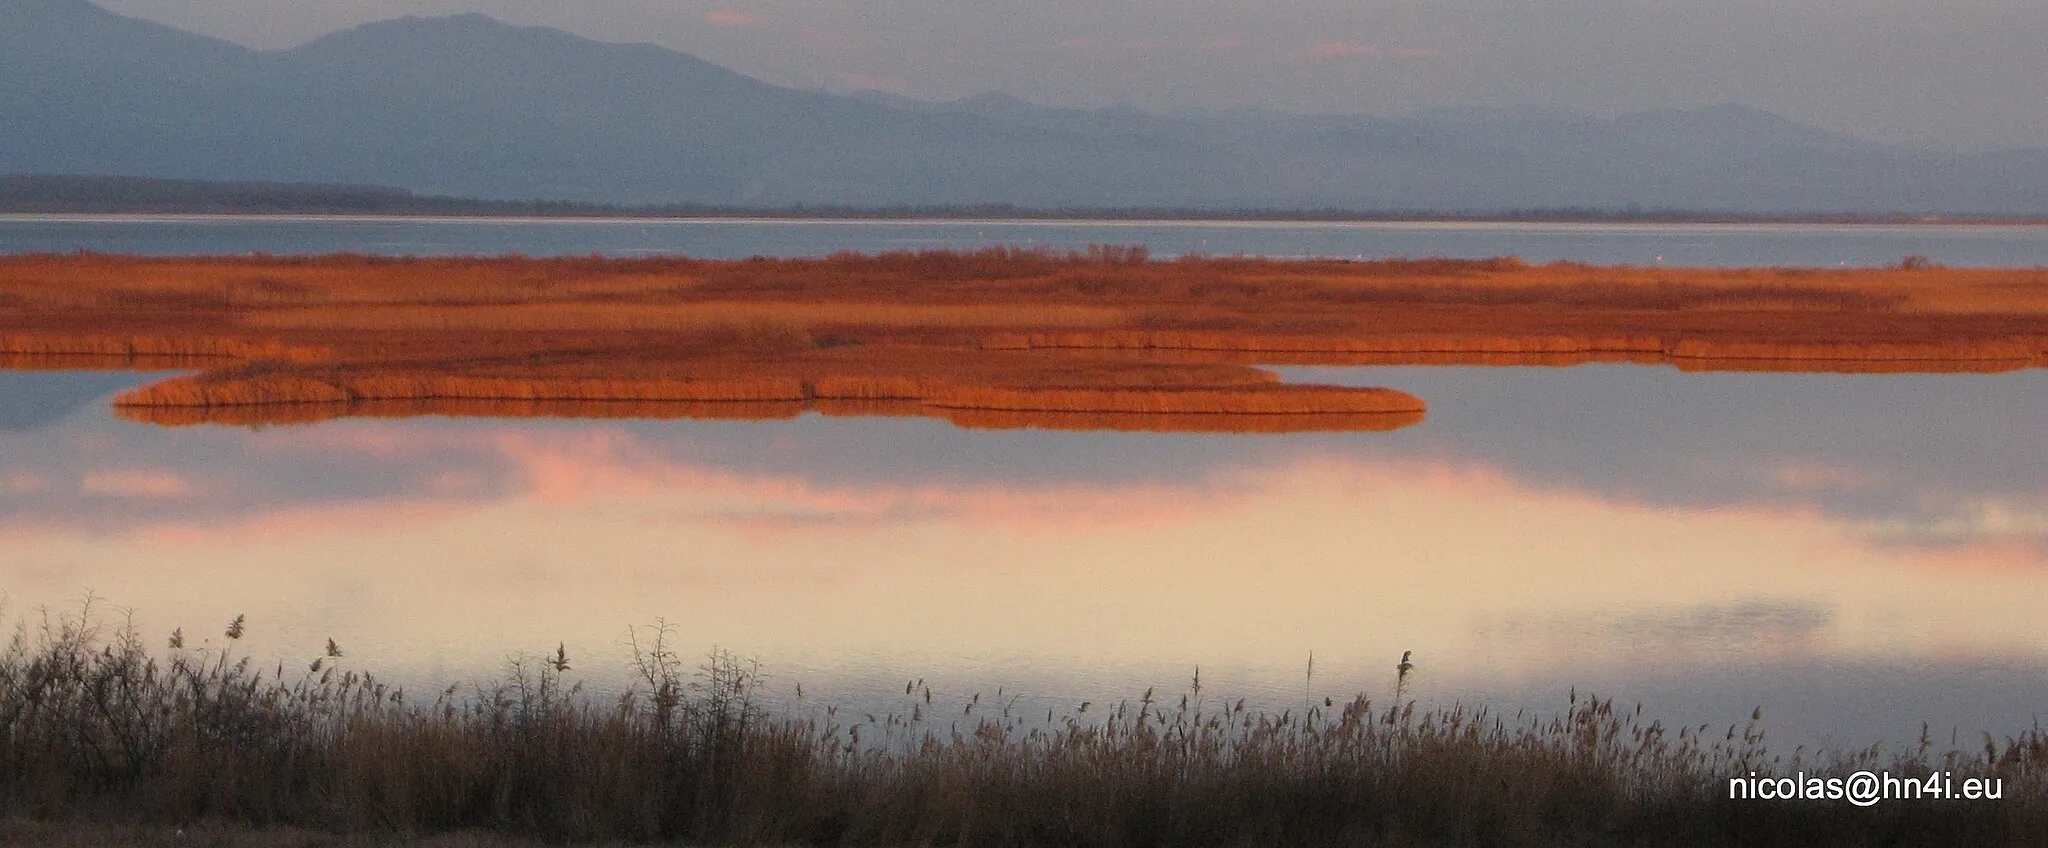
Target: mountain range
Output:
[{"x": 469, "y": 106}]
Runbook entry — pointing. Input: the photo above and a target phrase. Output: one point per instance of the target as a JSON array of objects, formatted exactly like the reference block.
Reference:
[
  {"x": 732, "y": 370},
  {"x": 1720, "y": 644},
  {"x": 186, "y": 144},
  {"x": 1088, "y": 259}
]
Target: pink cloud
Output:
[
  {"x": 602, "y": 465},
  {"x": 383, "y": 440},
  {"x": 137, "y": 484},
  {"x": 1223, "y": 44},
  {"x": 1342, "y": 48},
  {"x": 1078, "y": 42},
  {"x": 724, "y": 18},
  {"x": 2008, "y": 556}
]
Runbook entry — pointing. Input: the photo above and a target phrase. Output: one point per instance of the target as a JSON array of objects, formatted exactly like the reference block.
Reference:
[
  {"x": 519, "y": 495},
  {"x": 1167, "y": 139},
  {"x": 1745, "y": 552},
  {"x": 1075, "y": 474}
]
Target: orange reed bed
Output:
[
  {"x": 1105, "y": 332},
  {"x": 101, "y": 362},
  {"x": 1857, "y": 366},
  {"x": 142, "y": 346},
  {"x": 292, "y": 398},
  {"x": 260, "y": 415},
  {"x": 1262, "y": 400},
  {"x": 286, "y": 414},
  {"x": 2014, "y": 350},
  {"x": 1181, "y": 422},
  {"x": 1898, "y": 361},
  {"x": 294, "y": 389},
  {"x": 1312, "y": 348},
  {"x": 1311, "y": 343}
]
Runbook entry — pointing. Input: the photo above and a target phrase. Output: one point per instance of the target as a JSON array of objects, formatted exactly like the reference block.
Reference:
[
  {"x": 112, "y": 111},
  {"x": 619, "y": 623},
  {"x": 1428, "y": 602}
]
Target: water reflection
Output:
[
  {"x": 1913, "y": 459},
  {"x": 1857, "y": 553},
  {"x": 31, "y": 400}
]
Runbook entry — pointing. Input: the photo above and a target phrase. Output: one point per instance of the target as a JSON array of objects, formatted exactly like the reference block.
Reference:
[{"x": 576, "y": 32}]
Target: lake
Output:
[
  {"x": 1802, "y": 245},
  {"x": 1856, "y": 554}
]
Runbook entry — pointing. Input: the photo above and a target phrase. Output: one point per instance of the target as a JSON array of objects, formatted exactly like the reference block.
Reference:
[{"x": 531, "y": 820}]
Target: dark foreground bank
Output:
[{"x": 106, "y": 739}]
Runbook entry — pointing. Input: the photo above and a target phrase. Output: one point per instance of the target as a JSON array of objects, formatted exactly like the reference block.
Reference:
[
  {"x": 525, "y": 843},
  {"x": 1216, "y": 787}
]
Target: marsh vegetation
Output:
[
  {"x": 100, "y": 730},
  {"x": 999, "y": 332}
]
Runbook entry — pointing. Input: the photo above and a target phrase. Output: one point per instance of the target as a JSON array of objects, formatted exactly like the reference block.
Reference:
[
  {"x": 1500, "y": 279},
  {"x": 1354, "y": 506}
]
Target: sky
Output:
[{"x": 1959, "y": 75}]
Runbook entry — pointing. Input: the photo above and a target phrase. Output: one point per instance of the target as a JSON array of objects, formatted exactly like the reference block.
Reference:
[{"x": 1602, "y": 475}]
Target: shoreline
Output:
[{"x": 1026, "y": 218}]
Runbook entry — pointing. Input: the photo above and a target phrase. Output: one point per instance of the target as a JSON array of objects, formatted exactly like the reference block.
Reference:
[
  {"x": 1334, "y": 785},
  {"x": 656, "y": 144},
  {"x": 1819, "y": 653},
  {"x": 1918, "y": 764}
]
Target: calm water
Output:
[
  {"x": 1857, "y": 554},
  {"x": 1688, "y": 244}
]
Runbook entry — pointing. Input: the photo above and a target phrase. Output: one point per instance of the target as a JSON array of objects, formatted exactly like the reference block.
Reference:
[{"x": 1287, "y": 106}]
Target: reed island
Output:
[{"x": 1002, "y": 337}]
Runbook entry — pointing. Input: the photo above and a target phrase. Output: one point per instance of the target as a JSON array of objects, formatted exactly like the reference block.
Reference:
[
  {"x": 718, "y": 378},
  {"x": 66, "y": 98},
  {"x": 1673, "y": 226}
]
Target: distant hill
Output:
[
  {"x": 468, "y": 106},
  {"x": 92, "y": 194},
  {"x": 86, "y": 194}
]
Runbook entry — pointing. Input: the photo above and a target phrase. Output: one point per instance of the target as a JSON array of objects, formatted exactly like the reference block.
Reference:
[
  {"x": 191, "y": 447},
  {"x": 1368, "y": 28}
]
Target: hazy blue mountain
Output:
[{"x": 470, "y": 106}]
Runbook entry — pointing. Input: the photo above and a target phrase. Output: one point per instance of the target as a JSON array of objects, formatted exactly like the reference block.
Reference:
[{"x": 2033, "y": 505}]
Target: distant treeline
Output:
[{"x": 88, "y": 194}]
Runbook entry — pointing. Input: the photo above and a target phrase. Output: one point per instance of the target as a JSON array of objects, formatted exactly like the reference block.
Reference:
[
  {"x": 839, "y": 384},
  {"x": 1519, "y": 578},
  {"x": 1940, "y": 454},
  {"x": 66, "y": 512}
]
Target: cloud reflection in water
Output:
[{"x": 1544, "y": 528}]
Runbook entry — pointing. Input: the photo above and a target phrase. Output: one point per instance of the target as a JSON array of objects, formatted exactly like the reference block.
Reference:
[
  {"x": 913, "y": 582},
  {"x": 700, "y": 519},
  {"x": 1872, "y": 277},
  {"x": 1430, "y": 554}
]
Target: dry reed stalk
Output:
[
  {"x": 443, "y": 386},
  {"x": 264, "y": 415},
  {"x": 289, "y": 388},
  {"x": 240, "y": 281},
  {"x": 845, "y": 408},
  {"x": 875, "y": 387},
  {"x": 258, "y": 415},
  {"x": 697, "y": 316},
  {"x": 1264, "y": 400},
  {"x": 100, "y": 362},
  {"x": 1268, "y": 398},
  {"x": 97, "y": 344},
  {"x": 268, "y": 389},
  {"x": 1077, "y": 374},
  {"x": 100, "y": 729},
  {"x": 1856, "y": 366},
  {"x": 1165, "y": 356},
  {"x": 739, "y": 410},
  {"x": 1487, "y": 358},
  {"x": 1303, "y": 343},
  {"x": 2019, "y": 350}
]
